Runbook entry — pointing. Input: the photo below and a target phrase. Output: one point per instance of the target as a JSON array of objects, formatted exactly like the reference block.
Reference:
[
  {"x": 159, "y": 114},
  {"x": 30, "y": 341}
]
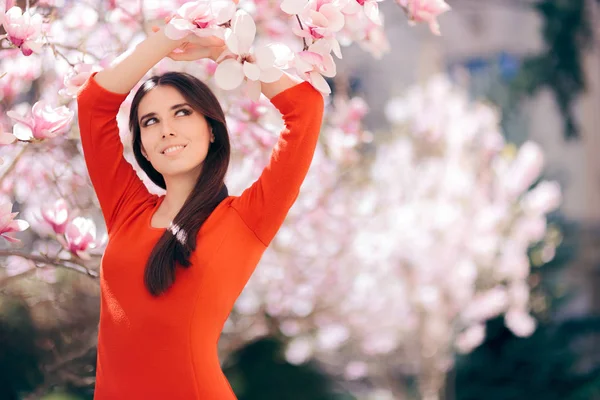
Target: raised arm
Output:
[
  {"x": 265, "y": 204},
  {"x": 116, "y": 184}
]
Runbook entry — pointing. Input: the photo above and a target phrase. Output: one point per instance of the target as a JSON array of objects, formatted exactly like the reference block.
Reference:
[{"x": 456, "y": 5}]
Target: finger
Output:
[{"x": 195, "y": 54}]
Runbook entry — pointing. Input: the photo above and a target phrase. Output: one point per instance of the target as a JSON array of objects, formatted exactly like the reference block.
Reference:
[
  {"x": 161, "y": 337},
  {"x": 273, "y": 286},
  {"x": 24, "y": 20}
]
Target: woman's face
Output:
[{"x": 175, "y": 138}]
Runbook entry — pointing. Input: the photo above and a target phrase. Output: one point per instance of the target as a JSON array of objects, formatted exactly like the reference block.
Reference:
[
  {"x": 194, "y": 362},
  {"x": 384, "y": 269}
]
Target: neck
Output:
[{"x": 177, "y": 191}]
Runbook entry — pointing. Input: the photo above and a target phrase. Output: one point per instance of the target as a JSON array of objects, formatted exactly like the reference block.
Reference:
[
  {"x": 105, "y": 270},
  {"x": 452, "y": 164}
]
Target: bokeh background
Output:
[{"x": 537, "y": 63}]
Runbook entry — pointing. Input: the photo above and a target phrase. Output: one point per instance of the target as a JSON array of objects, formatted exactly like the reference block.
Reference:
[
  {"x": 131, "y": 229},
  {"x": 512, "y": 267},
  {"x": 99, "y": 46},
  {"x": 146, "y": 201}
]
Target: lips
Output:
[{"x": 162, "y": 151}]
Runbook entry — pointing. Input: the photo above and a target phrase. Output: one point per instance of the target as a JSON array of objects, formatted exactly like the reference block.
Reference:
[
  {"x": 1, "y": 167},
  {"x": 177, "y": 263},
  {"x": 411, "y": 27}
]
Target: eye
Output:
[{"x": 184, "y": 110}]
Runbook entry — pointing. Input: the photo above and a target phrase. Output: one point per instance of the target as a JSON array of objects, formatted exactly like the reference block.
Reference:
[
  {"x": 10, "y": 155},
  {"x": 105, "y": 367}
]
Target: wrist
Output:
[
  {"x": 216, "y": 52},
  {"x": 164, "y": 43}
]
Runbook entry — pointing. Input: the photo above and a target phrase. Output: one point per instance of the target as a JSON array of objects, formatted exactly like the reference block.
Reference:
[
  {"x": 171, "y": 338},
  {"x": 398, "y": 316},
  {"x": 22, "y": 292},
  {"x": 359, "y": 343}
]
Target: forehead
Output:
[{"x": 160, "y": 98}]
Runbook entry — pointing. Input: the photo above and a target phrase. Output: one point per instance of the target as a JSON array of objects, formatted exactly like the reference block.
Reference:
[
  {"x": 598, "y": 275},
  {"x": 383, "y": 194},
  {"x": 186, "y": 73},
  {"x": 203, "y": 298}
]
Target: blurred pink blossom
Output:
[
  {"x": 57, "y": 215},
  {"x": 470, "y": 338},
  {"x": 370, "y": 7},
  {"x": 43, "y": 122},
  {"x": 425, "y": 11},
  {"x": 16, "y": 265},
  {"x": 543, "y": 198},
  {"x": 519, "y": 322},
  {"x": 8, "y": 224},
  {"x": 75, "y": 78},
  {"x": 80, "y": 236},
  {"x": 525, "y": 169}
]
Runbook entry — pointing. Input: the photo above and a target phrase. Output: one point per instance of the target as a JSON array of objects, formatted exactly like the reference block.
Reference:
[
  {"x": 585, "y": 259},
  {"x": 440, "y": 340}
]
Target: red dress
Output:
[{"x": 166, "y": 347}]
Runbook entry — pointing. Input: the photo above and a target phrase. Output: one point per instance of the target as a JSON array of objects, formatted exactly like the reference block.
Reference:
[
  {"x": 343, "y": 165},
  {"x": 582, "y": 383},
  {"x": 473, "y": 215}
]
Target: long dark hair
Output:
[{"x": 178, "y": 242}]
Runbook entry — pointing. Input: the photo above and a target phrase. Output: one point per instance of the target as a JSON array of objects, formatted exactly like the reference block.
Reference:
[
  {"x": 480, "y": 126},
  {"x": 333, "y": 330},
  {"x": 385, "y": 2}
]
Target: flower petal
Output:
[
  {"x": 265, "y": 57},
  {"x": 284, "y": 56},
  {"x": 372, "y": 12},
  {"x": 19, "y": 225},
  {"x": 293, "y": 6},
  {"x": 335, "y": 47},
  {"x": 22, "y": 132},
  {"x": 10, "y": 238},
  {"x": 335, "y": 19},
  {"x": 232, "y": 42},
  {"x": 17, "y": 117},
  {"x": 251, "y": 70},
  {"x": 270, "y": 75},
  {"x": 178, "y": 29},
  {"x": 223, "y": 11},
  {"x": 229, "y": 74},
  {"x": 319, "y": 82},
  {"x": 244, "y": 28},
  {"x": 7, "y": 138},
  {"x": 252, "y": 89}
]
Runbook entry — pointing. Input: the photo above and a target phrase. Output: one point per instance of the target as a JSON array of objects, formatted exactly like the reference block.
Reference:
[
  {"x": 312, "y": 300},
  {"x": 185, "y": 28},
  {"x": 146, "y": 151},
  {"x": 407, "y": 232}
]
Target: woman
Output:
[{"x": 175, "y": 265}]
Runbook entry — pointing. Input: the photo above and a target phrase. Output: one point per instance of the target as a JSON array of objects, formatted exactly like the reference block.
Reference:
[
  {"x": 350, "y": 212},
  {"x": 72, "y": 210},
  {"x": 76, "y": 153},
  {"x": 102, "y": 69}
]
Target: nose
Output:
[{"x": 166, "y": 129}]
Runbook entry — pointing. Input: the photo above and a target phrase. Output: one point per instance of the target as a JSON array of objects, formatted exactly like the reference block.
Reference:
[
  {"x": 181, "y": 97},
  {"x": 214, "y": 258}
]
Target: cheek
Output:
[{"x": 146, "y": 144}]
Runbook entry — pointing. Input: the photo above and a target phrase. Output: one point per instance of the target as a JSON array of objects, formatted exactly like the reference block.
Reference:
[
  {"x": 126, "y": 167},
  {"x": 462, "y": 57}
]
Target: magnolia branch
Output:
[
  {"x": 14, "y": 162},
  {"x": 43, "y": 259},
  {"x": 302, "y": 27}
]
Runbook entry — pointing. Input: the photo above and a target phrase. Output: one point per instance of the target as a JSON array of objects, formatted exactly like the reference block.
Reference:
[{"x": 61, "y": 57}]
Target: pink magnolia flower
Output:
[
  {"x": 315, "y": 63},
  {"x": 240, "y": 63},
  {"x": 44, "y": 122},
  {"x": 80, "y": 236},
  {"x": 23, "y": 30},
  {"x": 370, "y": 7},
  {"x": 57, "y": 215},
  {"x": 293, "y": 6},
  {"x": 75, "y": 78},
  {"x": 425, "y": 11},
  {"x": 322, "y": 19},
  {"x": 8, "y": 224},
  {"x": 201, "y": 18}
]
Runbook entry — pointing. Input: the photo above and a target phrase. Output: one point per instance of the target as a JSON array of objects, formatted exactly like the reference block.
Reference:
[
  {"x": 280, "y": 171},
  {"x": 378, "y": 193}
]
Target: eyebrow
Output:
[{"x": 172, "y": 108}]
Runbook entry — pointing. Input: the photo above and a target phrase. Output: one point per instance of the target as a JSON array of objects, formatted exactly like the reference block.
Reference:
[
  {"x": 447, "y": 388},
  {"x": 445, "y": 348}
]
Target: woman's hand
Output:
[{"x": 194, "y": 47}]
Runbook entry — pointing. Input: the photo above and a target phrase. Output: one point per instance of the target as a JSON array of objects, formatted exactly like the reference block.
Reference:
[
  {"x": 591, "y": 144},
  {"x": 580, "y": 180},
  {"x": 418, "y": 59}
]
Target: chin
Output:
[{"x": 181, "y": 168}]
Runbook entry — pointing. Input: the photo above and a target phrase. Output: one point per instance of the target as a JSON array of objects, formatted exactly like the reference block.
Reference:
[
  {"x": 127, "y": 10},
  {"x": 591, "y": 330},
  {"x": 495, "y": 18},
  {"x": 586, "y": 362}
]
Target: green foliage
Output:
[
  {"x": 542, "y": 366},
  {"x": 259, "y": 371},
  {"x": 19, "y": 355},
  {"x": 558, "y": 362},
  {"x": 61, "y": 396},
  {"x": 567, "y": 33}
]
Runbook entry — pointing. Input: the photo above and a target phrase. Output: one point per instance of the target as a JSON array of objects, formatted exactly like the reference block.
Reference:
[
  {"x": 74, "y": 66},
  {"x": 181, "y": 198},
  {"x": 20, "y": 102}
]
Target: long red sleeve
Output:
[
  {"x": 116, "y": 183},
  {"x": 265, "y": 204}
]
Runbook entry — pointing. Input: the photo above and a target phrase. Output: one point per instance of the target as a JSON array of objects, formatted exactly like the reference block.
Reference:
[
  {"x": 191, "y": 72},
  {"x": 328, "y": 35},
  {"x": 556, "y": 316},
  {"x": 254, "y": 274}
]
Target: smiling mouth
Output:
[{"x": 173, "y": 150}]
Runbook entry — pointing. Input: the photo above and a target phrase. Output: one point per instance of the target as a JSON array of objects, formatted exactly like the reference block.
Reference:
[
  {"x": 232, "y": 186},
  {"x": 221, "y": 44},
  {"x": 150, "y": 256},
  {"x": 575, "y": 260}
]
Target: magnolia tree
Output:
[
  {"x": 50, "y": 49},
  {"x": 404, "y": 256},
  {"x": 389, "y": 260}
]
